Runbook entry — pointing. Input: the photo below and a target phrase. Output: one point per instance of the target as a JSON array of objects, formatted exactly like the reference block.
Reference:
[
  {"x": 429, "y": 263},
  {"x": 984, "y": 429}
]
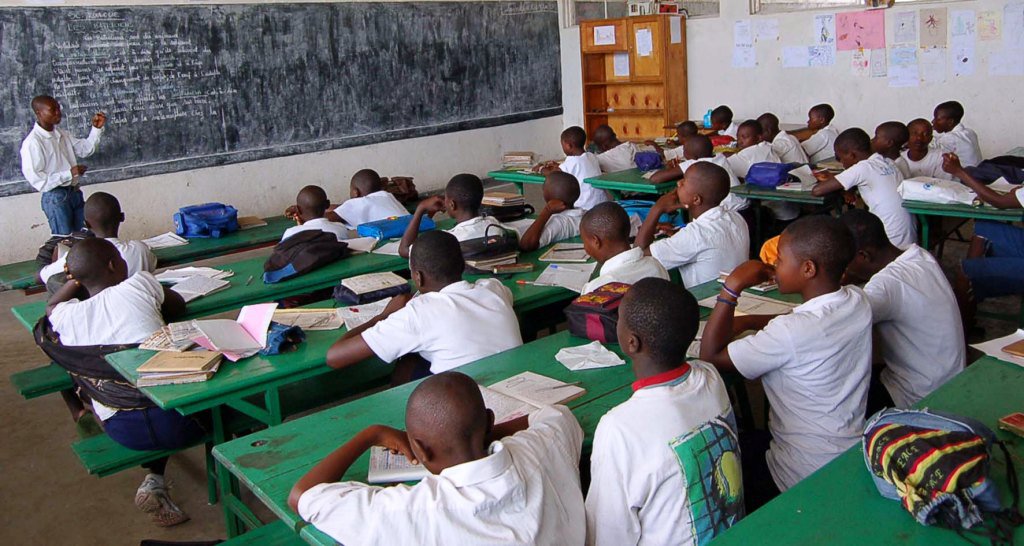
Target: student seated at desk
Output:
[
  {"x": 462, "y": 199},
  {"x": 753, "y": 149},
  {"x": 814, "y": 363},
  {"x": 952, "y": 136},
  {"x": 920, "y": 158},
  {"x": 513, "y": 483},
  {"x": 311, "y": 205},
  {"x": 581, "y": 164},
  {"x": 889, "y": 140},
  {"x": 715, "y": 240},
  {"x": 876, "y": 178},
  {"x": 654, "y": 477},
  {"x": 558, "y": 220},
  {"x": 684, "y": 131},
  {"x": 785, "y": 145},
  {"x": 721, "y": 122},
  {"x": 819, "y": 136},
  {"x": 615, "y": 155},
  {"x": 103, "y": 217},
  {"x": 449, "y": 323},
  {"x": 120, "y": 310},
  {"x": 917, "y": 321},
  {"x": 367, "y": 202},
  {"x": 700, "y": 149},
  {"x": 605, "y": 234}
]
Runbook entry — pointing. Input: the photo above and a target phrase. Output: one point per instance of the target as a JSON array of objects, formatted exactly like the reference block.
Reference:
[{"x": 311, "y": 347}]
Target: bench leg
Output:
[{"x": 211, "y": 475}]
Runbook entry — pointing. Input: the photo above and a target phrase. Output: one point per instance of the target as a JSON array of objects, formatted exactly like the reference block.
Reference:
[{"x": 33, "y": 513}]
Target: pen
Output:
[
  {"x": 525, "y": 282},
  {"x": 553, "y": 387},
  {"x": 248, "y": 281}
]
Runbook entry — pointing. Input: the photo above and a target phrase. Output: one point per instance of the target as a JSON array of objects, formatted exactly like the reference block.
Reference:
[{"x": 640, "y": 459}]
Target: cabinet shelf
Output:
[{"x": 633, "y": 112}]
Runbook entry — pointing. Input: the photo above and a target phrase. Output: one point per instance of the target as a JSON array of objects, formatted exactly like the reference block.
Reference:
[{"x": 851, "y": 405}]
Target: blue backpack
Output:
[
  {"x": 769, "y": 175},
  {"x": 642, "y": 208},
  {"x": 206, "y": 220},
  {"x": 647, "y": 161}
]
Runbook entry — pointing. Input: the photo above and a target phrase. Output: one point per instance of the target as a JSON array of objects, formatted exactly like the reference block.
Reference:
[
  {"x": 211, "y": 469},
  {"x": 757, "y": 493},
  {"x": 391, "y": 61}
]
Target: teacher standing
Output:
[{"x": 49, "y": 163}]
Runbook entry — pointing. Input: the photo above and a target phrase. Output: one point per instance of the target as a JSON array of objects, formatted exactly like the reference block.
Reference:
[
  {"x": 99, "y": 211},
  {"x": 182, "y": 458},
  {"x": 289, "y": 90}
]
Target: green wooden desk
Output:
[
  {"x": 513, "y": 176},
  {"x": 270, "y": 462},
  {"x": 966, "y": 212},
  {"x": 629, "y": 181},
  {"x": 839, "y": 503},
  {"x": 23, "y": 275},
  {"x": 822, "y": 204}
]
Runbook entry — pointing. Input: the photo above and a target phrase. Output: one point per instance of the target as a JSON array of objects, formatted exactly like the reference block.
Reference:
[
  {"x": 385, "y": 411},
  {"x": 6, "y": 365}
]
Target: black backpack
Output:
[
  {"x": 301, "y": 253},
  {"x": 45, "y": 255},
  {"x": 497, "y": 241},
  {"x": 1008, "y": 167}
]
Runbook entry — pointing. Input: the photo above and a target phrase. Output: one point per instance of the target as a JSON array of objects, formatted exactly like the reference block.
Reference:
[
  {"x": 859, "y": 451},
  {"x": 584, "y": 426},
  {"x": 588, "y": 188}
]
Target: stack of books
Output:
[
  {"x": 488, "y": 264},
  {"x": 503, "y": 199},
  {"x": 171, "y": 368},
  {"x": 517, "y": 160}
]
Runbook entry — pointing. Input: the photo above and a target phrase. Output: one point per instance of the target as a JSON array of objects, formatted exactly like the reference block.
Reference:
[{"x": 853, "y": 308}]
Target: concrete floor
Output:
[{"x": 48, "y": 498}]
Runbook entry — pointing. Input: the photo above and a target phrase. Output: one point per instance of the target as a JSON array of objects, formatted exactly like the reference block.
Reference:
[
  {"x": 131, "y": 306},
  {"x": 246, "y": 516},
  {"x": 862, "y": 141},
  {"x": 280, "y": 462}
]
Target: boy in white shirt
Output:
[
  {"x": 819, "y": 137},
  {"x": 558, "y": 220},
  {"x": 753, "y": 149},
  {"x": 665, "y": 468},
  {"x": 581, "y": 164},
  {"x": 311, "y": 205},
  {"x": 876, "y": 178},
  {"x": 367, "y": 202},
  {"x": 889, "y": 140},
  {"x": 814, "y": 363},
  {"x": 952, "y": 136},
  {"x": 920, "y": 158},
  {"x": 699, "y": 148},
  {"x": 785, "y": 145},
  {"x": 715, "y": 239},
  {"x": 903, "y": 287},
  {"x": 512, "y": 483},
  {"x": 684, "y": 131},
  {"x": 615, "y": 155},
  {"x": 122, "y": 310},
  {"x": 449, "y": 323},
  {"x": 462, "y": 199},
  {"x": 605, "y": 234},
  {"x": 721, "y": 122},
  {"x": 103, "y": 217}
]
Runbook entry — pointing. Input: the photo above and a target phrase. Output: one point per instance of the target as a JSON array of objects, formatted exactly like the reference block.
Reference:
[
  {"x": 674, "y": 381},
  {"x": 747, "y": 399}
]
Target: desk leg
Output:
[
  {"x": 925, "y": 235},
  {"x": 520, "y": 188},
  {"x": 758, "y": 240}
]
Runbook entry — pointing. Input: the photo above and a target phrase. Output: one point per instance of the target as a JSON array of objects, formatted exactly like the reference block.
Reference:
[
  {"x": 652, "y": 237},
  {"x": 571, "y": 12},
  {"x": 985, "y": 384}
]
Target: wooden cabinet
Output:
[{"x": 634, "y": 75}]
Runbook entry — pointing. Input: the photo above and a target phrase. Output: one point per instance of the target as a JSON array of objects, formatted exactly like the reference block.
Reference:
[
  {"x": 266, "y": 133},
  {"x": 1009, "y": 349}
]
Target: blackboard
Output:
[{"x": 186, "y": 87}]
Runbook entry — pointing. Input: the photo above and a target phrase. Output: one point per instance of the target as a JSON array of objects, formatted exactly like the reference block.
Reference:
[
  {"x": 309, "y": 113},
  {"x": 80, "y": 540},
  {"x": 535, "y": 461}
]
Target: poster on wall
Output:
[
  {"x": 860, "y": 30},
  {"x": 905, "y": 32},
  {"x": 933, "y": 27}
]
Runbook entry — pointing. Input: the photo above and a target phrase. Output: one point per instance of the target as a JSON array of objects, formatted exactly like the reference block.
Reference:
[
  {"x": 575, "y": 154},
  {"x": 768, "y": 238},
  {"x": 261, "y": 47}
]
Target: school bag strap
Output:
[
  {"x": 938, "y": 466},
  {"x": 301, "y": 253},
  {"x": 89, "y": 370},
  {"x": 496, "y": 240}
]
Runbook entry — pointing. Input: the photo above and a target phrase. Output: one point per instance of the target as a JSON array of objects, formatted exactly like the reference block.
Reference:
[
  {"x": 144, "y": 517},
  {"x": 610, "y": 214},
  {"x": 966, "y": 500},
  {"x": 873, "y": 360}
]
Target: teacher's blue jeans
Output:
[
  {"x": 1001, "y": 271},
  {"x": 65, "y": 210}
]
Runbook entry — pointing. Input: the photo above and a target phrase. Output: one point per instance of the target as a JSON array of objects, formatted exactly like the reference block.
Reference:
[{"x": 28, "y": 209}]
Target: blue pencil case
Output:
[{"x": 392, "y": 228}]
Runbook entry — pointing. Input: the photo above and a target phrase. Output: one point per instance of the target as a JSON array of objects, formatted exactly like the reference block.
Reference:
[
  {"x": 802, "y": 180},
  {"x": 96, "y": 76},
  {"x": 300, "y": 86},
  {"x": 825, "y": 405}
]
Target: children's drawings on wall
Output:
[
  {"x": 934, "y": 24},
  {"x": 905, "y": 31},
  {"x": 860, "y": 29},
  {"x": 989, "y": 25}
]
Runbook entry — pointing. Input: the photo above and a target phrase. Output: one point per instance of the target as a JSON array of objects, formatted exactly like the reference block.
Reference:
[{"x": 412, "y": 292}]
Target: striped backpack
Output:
[{"x": 938, "y": 466}]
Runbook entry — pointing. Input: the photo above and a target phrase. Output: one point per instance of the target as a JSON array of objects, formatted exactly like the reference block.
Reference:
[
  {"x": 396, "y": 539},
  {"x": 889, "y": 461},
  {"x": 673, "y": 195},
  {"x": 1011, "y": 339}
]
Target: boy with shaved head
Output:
[
  {"x": 920, "y": 158},
  {"x": 615, "y": 155},
  {"x": 605, "y": 233},
  {"x": 462, "y": 198},
  {"x": 514, "y": 483},
  {"x": 889, "y": 140},
  {"x": 49, "y": 164},
  {"x": 368, "y": 201},
  {"x": 559, "y": 219},
  {"x": 311, "y": 208},
  {"x": 785, "y": 145},
  {"x": 715, "y": 240}
]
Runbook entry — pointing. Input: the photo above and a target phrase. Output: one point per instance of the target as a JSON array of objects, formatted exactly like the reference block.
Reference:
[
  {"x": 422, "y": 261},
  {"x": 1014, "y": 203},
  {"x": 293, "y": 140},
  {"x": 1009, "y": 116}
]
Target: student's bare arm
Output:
[
  {"x": 951, "y": 164},
  {"x": 750, "y": 322},
  {"x": 530, "y": 240},
  {"x": 69, "y": 291},
  {"x": 668, "y": 174},
  {"x": 429, "y": 206},
  {"x": 827, "y": 183},
  {"x": 333, "y": 217},
  {"x": 351, "y": 347},
  {"x": 173, "y": 306},
  {"x": 334, "y": 466},
  {"x": 714, "y": 343},
  {"x": 645, "y": 236}
]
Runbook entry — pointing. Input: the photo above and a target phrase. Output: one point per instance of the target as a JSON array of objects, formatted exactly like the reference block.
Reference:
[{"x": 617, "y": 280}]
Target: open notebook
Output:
[
  {"x": 510, "y": 399},
  {"x": 240, "y": 338}
]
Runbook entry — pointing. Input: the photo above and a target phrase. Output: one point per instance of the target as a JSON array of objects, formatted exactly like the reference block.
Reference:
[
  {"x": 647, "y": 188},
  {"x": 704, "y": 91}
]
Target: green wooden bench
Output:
[
  {"x": 102, "y": 456},
  {"x": 36, "y": 382},
  {"x": 271, "y": 534}
]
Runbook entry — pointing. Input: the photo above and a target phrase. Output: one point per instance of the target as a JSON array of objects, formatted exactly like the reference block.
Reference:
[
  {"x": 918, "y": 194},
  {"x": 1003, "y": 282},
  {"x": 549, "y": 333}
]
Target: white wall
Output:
[{"x": 994, "y": 104}]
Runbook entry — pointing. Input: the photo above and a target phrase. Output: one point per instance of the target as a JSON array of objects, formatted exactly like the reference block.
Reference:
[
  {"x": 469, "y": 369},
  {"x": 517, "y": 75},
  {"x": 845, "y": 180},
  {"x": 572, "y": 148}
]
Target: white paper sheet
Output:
[
  {"x": 358, "y": 315},
  {"x": 1013, "y": 25},
  {"x": 372, "y": 282},
  {"x": 878, "y": 68},
  {"x": 905, "y": 31},
  {"x": 766, "y": 30},
  {"x": 860, "y": 63},
  {"x": 165, "y": 240},
  {"x": 588, "y": 357},
  {"x": 903, "y": 69},
  {"x": 675, "y": 29},
  {"x": 572, "y": 277},
  {"x": 644, "y": 42},
  {"x": 932, "y": 63},
  {"x": 994, "y": 347},
  {"x": 825, "y": 30},
  {"x": 536, "y": 389},
  {"x": 1006, "y": 62},
  {"x": 796, "y": 57},
  {"x": 390, "y": 249},
  {"x": 1003, "y": 185},
  {"x": 751, "y": 304},
  {"x": 620, "y": 64},
  {"x": 604, "y": 35},
  {"x": 361, "y": 244},
  {"x": 743, "y": 33},
  {"x": 744, "y": 57},
  {"x": 310, "y": 319},
  {"x": 821, "y": 55},
  {"x": 198, "y": 286}
]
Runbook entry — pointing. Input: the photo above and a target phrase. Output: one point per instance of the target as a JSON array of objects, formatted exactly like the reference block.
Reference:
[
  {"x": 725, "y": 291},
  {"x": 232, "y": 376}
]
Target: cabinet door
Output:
[
  {"x": 646, "y": 48},
  {"x": 603, "y": 36}
]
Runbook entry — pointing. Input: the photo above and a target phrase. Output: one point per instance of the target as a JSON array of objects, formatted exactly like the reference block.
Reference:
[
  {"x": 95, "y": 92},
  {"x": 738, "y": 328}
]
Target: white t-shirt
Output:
[
  {"x": 741, "y": 161},
  {"x": 877, "y": 179},
  {"x": 474, "y": 228},
  {"x": 47, "y": 156},
  {"x": 339, "y": 230},
  {"x": 583, "y": 167},
  {"x": 918, "y": 326},
  {"x": 930, "y": 165},
  {"x": 457, "y": 325},
  {"x": 963, "y": 142},
  {"x": 731, "y": 201},
  {"x": 561, "y": 226},
  {"x": 716, "y": 241},
  {"x": 525, "y": 491},
  {"x": 788, "y": 148},
  {"x": 619, "y": 158},
  {"x": 379, "y": 205},
  {"x": 665, "y": 466},
  {"x": 820, "y": 146},
  {"x": 126, "y": 313},
  {"x": 627, "y": 267},
  {"x": 815, "y": 365},
  {"x": 731, "y": 130},
  {"x": 137, "y": 256}
]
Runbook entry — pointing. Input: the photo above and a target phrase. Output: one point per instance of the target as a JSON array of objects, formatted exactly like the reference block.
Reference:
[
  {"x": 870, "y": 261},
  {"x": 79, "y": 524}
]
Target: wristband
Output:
[
  {"x": 720, "y": 299},
  {"x": 730, "y": 291}
]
